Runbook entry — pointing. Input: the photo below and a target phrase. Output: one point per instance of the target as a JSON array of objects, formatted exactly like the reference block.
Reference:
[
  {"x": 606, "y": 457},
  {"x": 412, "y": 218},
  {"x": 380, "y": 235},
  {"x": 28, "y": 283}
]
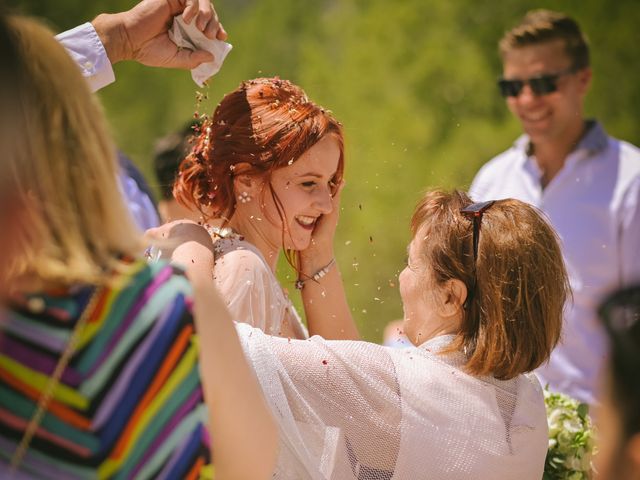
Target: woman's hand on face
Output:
[{"x": 320, "y": 250}]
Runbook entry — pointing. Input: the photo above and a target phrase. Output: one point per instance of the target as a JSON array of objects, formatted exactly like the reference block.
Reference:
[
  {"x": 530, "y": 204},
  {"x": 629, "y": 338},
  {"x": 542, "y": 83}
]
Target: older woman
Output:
[
  {"x": 99, "y": 365},
  {"x": 483, "y": 294}
]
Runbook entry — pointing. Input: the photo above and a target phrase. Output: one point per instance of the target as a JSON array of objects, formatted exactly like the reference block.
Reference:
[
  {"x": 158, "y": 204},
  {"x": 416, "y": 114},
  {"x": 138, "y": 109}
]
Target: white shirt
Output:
[
  {"x": 593, "y": 202},
  {"x": 86, "y": 49},
  {"x": 351, "y": 410}
]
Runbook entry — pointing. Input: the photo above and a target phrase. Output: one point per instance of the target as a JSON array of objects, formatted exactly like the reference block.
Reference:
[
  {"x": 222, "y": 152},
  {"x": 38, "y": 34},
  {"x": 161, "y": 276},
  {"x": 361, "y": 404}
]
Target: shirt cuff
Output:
[{"x": 86, "y": 49}]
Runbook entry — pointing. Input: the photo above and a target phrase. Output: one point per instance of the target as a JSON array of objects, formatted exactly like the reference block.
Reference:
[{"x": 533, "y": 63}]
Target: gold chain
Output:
[{"x": 45, "y": 398}]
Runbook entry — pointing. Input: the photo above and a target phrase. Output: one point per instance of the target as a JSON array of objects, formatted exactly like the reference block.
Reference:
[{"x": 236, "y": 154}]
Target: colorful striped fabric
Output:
[{"x": 129, "y": 404}]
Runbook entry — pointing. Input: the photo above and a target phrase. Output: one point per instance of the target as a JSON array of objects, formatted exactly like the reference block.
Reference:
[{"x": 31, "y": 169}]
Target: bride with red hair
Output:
[{"x": 266, "y": 173}]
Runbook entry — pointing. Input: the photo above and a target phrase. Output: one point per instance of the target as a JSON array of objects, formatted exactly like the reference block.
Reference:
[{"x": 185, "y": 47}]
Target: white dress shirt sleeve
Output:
[
  {"x": 630, "y": 235},
  {"x": 86, "y": 49}
]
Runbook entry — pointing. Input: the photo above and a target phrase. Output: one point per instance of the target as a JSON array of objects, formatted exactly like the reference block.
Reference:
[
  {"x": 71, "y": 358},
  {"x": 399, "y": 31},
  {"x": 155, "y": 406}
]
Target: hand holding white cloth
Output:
[{"x": 187, "y": 35}]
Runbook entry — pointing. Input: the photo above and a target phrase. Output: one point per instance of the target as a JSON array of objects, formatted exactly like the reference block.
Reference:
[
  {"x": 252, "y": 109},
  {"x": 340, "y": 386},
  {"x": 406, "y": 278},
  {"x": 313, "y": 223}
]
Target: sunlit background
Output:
[{"x": 413, "y": 82}]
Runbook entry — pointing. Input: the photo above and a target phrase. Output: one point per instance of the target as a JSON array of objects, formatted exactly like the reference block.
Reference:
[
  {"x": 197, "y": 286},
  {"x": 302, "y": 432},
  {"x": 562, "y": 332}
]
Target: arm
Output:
[
  {"x": 325, "y": 301},
  {"x": 139, "y": 34},
  {"x": 244, "y": 432},
  {"x": 239, "y": 419},
  {"x": 325, "y": 392}
]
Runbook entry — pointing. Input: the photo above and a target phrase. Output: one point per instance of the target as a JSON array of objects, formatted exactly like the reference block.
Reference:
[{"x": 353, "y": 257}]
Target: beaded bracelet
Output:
[{"x": 316, "y": 276}]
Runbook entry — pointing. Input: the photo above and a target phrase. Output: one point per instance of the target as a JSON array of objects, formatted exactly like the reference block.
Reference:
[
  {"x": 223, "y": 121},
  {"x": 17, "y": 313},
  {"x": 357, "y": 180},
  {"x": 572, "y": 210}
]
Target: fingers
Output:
[
  {"x": 189, "y": 59},
  {"x": 206, "y": 18},
  {"x": 190, "y": 10},
  {"x": 151, "y": 235},
  {"x": 205, "y": 14},
  {"x": 209, "y": 23},
  {"x": 214, "y": 28}
]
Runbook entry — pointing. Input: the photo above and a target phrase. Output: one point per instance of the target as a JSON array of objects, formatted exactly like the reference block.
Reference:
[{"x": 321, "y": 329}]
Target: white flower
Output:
[{"x": 571, "y": 444}]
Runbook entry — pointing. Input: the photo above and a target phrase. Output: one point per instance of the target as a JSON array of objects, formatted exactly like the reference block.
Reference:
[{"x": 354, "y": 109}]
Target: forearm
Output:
[
  {"x": 244, "y": 433},
  {"x": 326, "y": 307}
]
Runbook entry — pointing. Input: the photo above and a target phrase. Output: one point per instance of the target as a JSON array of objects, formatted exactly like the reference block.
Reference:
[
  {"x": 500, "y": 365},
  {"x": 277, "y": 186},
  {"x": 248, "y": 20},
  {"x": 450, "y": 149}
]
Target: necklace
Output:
[
  {"x": 219, "y": 233},
  {"x": 222, "y": 232}
]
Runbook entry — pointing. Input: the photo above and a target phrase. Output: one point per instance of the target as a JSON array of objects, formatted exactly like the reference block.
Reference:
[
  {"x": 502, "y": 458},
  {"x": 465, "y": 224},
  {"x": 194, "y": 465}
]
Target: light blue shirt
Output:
[{"x": 593, "y": 203}]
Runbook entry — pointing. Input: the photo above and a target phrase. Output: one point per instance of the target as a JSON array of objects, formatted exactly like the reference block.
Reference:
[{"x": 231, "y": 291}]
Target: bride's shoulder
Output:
[{"x": 237, "y": 253}]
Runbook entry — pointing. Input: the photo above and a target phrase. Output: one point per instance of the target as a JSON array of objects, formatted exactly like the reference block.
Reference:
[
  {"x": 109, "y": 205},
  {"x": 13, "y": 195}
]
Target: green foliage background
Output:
[{"x": 412, "y": 81}]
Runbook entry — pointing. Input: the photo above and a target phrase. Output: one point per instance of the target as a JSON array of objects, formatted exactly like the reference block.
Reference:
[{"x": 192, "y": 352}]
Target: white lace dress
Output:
[
  {"x": 249, "y": 287},
  {"x": 355, "y": 410}
]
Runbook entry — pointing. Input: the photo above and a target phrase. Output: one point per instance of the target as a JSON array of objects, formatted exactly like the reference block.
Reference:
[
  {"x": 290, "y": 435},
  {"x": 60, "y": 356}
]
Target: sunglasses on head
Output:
[
  {"x": 540, "y": 85},
  {"x": 474, "y": 212}
]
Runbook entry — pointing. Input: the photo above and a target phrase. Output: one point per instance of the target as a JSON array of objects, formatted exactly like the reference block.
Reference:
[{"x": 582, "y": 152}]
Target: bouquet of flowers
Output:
[{"x": 571, "y": 438}]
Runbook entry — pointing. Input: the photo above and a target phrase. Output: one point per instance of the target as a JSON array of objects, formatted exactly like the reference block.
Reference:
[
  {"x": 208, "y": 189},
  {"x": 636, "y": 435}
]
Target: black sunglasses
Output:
[
  {"x": 474, "y": 212},
  {"x": 540, "y": 85}
]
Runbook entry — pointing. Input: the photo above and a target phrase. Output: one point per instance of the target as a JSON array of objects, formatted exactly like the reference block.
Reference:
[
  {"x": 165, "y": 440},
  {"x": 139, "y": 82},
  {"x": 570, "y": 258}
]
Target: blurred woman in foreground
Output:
[{"x": 99, "y": 365}]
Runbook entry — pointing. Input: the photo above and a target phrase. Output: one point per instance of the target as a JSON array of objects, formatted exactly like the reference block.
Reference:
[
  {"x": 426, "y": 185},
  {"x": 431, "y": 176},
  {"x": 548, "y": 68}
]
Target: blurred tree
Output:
[{"x": 412, "y": 81}]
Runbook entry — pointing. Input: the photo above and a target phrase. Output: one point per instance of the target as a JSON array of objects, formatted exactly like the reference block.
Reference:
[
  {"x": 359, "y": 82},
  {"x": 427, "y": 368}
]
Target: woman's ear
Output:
[
  {"x": 454, "y": 295},
  {"x": 245, "y": 184},
  {"x": 242, "y": 183}
]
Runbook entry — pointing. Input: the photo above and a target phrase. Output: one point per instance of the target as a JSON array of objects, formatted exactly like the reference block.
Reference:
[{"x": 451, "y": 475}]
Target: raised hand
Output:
[
  {"x": 186, "y": 243},
  {"x": 320, "y": 251},
  {"x": 140, "y": 34}
]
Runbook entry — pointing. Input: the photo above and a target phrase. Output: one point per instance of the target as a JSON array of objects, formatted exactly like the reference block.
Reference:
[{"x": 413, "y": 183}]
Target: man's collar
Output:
[{"x": 593, "y": 140}]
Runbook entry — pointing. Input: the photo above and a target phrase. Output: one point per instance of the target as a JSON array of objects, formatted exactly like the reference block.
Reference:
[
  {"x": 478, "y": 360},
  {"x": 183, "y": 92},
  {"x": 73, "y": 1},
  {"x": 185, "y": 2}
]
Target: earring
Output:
[{"x": 244, "y": 197}]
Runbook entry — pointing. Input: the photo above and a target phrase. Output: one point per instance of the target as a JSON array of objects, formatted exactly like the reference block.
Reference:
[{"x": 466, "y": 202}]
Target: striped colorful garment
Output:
[{"x": 129, "y": 404}]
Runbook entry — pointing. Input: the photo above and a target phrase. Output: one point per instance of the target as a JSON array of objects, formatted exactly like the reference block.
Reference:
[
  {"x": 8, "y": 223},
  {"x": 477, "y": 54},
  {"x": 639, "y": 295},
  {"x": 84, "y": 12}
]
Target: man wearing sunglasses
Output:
[{"x": 586, "y": 182}]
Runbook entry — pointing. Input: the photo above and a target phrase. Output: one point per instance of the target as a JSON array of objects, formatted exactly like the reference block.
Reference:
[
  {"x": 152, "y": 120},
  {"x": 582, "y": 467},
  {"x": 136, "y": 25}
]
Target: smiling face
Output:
[
  {"x": 546, "y": 118},
  {"x": 304, "y": 190}
]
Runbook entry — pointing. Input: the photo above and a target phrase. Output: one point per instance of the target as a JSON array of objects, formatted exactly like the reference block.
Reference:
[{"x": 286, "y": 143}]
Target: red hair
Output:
[{"x": 263, "y": 125}]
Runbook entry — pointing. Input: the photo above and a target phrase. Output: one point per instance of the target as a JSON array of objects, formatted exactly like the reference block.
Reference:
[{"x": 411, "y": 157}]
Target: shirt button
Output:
[{"x": 88, "y": 65}]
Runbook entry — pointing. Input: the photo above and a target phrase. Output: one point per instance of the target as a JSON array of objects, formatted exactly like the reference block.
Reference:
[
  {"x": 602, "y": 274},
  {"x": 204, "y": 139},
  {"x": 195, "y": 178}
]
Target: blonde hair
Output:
[
  {"x": 75, "y": 227},
  {"x": 515, "y": 317}
]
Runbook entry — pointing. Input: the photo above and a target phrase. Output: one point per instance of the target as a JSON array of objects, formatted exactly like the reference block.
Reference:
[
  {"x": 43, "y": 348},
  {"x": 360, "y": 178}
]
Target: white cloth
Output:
[
  {"x": 251, "y": 290},
  {"x": 186, "y": 35},
  {"x": 594, "y": 205},
  {"x": 86, "y": 49},
  {"x": 356, "y": 410}
]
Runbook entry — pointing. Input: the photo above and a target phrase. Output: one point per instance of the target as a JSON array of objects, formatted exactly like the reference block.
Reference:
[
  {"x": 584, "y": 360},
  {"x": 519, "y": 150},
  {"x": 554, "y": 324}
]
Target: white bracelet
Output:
[{"x": 316, "y": 276}]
